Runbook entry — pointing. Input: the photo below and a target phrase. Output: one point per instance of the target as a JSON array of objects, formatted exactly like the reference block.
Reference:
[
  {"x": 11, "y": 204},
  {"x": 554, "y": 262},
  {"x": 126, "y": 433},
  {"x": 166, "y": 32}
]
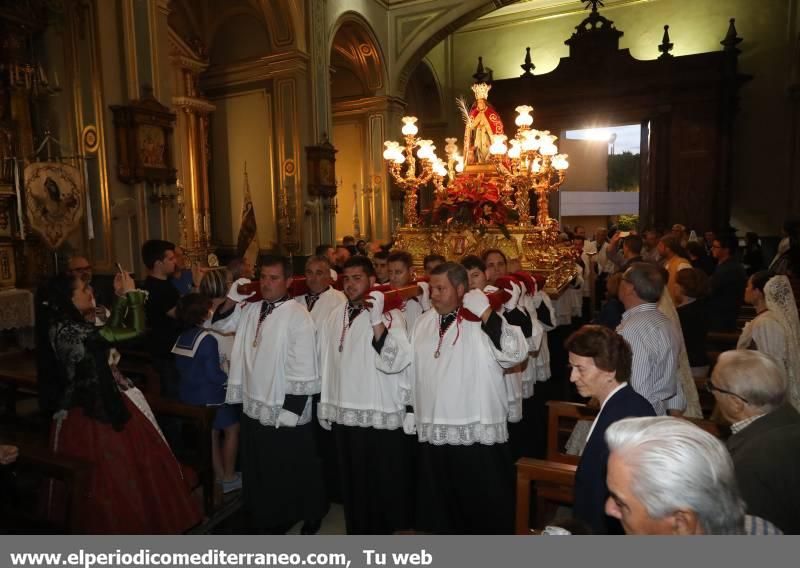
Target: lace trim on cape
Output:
[
  {"x": 508, "y": 344},
  {"x": 463, "y": 434},
  {"x": 303, "y": 387},
  {"x": 362, "y": 418},
  {"x": 527, "y": 388},
  {"x": 266, "y": 414}
]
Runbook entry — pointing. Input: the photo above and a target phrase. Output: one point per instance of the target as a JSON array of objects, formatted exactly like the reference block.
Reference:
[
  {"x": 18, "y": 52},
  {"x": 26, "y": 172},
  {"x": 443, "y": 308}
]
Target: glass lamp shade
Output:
[
  {"x": 426, "y": 149},
  {"x": 524, "y": 118},
  {"x": 498, "y": 147},
  {"x": 536, "y": 166},
  {"x": 409, "y": 128},
  {"x": 460, "y": 165},
  {"x": 560, "y": 162},
  {"x": 391, "y": 149},
  {"x": 530, "y": 141},
  {"x": 515, "y": 150},
  {"x": 548, "y": 150}
]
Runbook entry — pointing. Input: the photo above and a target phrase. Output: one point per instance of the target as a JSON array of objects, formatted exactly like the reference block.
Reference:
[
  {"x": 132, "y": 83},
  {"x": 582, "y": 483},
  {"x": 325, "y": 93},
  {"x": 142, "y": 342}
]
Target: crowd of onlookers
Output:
[{"x": 652, "y": 300}]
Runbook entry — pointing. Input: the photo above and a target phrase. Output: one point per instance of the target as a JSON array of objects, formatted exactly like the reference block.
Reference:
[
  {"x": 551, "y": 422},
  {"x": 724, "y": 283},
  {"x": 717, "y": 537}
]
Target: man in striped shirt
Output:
[{"x": 654, "y": 339}]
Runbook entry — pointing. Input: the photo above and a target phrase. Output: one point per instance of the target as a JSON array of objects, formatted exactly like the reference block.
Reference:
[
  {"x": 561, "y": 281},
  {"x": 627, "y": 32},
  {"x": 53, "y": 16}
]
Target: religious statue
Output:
[{"x": 482, "y": 121}]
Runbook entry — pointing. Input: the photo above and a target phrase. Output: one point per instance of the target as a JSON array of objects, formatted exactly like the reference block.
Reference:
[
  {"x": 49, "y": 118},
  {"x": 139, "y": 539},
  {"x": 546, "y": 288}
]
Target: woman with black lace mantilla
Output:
[{"x": 137, "y": 485}]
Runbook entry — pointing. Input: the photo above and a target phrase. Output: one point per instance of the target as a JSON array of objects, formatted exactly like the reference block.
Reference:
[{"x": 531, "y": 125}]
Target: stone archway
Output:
[{"x": 361, "y": 114}]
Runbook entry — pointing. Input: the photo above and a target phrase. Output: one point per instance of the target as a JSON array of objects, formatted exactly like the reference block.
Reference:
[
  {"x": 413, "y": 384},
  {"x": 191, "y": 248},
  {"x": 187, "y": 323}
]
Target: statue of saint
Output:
[{"x": 483, "y": 122}]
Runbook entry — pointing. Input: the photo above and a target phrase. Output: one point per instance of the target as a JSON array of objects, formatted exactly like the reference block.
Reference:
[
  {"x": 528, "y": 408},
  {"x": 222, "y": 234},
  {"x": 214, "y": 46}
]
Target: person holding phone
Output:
[{"x": 137, "y": 485}]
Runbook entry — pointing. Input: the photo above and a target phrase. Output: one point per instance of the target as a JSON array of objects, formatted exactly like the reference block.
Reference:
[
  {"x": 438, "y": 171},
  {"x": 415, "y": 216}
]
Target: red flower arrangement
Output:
[{"x": 473, "y": 202}]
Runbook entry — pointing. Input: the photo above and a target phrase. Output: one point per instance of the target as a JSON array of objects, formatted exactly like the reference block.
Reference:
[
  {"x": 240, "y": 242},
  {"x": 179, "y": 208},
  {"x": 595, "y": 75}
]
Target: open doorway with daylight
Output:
[{"x": 602, "y": 188}]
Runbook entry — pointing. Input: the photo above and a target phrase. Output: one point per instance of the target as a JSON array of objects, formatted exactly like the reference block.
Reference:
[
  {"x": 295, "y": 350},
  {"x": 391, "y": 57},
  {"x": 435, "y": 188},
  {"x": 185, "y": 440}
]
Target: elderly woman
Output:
[
  {"x": 601, "y": 366},
  {"x": 137, "y": 485}
]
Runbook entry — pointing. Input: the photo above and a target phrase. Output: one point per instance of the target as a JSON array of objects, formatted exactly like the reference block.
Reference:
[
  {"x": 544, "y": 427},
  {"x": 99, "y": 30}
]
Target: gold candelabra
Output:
[
  {"x": 532, "y": 163},
  {"x": 431, "y": 167}
]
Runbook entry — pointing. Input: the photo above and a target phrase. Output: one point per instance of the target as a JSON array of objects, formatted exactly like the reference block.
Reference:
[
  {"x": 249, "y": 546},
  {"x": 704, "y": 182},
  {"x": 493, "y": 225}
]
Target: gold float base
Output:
[{"x": 536, "y": 248}]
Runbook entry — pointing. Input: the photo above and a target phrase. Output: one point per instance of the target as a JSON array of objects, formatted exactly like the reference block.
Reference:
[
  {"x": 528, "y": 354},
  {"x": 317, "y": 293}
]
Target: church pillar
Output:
[
  {"x": 293, "y": 130},
  {"x": 381, "y": 121},
  {"x": 321, "y": 208},
  {"x": 192, "y": 160}
]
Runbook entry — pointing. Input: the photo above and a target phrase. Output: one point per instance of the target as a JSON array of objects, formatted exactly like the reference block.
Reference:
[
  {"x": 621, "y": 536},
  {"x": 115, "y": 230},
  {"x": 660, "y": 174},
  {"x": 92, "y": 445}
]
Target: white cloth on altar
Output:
[
  {"x": 283, "y": 363},
  {"x": 359, "y": 386}
]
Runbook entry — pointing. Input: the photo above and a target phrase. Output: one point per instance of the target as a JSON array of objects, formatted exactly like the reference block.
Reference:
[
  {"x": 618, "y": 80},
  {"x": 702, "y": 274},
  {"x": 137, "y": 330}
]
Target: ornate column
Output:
[
  {"x": 381, "y": 116},
  {"x": 322, "y": 127},
  {"x": 191, "y": 140},
  {"x": 293, "y": 129}
]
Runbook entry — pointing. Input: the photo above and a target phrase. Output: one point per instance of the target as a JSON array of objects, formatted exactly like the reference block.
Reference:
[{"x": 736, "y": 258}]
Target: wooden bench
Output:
[
  {"x": 18, "y": 372},
  {"x": 33, "y": 469},
  {"x": 17, "y": 375},
  {"x": 561, "y": 419},
  {"x": 553, "y": 480}
]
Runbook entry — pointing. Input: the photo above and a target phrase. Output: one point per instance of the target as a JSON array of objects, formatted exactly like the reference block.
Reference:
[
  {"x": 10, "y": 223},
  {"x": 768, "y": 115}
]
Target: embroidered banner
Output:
[{"x": 55, "y": 200}]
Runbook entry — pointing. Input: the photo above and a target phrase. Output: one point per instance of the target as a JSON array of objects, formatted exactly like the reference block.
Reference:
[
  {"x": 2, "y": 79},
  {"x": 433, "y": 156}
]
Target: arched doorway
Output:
[
  {"x": 360, "y": 118},
  {"x": 424, "y": 100}
]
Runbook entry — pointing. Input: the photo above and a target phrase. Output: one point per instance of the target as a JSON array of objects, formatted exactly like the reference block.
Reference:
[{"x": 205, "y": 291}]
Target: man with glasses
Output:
[{"x": 750, "y": 390}]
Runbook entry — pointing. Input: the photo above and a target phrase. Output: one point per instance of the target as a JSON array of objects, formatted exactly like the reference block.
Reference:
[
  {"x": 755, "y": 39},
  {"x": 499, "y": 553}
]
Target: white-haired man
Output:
[
  {"x": 750, "y": 389},
  {"x": 668, "y": 476}
]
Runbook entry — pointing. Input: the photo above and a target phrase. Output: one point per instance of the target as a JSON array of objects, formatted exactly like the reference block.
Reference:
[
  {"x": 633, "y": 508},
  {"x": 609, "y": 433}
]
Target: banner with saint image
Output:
[{"x": 54, "y": 200}]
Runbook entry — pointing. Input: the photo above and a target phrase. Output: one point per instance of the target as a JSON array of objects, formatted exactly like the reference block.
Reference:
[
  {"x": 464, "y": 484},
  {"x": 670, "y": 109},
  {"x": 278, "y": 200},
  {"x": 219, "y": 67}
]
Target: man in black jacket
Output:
[
  {"x": 727, "y": 285},
  {"x": 750, "y": 389}
]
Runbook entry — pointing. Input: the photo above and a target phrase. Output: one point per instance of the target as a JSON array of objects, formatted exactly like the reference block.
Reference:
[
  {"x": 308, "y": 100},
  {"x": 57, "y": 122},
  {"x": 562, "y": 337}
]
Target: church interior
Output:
[{"x": 574, "y": 153}]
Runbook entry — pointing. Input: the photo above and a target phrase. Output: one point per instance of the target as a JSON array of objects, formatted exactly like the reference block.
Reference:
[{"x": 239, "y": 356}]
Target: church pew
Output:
[
  {"x": 25, "y": 511},
  {"x": 553, "y": 479},
  {"x": 553, "y": 484},
  {"x": 561, "y": 419},
  {"x": 18, "y": 376}
]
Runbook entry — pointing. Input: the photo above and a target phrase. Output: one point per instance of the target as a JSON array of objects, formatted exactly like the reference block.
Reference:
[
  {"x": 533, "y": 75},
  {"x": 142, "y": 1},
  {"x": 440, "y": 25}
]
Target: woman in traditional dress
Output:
[
  {"x": 776, "y": 329},
  {"x": 136, "y": 486}
]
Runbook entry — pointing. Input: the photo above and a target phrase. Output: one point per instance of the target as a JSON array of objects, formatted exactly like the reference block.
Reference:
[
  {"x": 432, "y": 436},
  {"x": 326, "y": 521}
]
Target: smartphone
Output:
[
  {"x": 119, "y": 268},
  {"x": 624, "y": 234}
]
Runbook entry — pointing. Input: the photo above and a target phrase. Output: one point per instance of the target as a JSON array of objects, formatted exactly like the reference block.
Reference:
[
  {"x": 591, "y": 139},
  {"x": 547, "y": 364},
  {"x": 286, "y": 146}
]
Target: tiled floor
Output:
[
  {"x": 333, "y": 523},
  {"x": 229, "y": 520}
]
